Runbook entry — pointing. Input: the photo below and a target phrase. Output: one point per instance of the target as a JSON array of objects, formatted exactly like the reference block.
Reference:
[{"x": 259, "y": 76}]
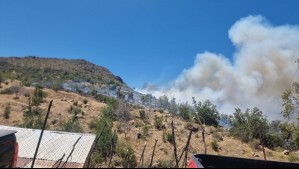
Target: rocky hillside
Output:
[
  {"x": 78, "y": 76},
  {"x": 48, "y": 70}
]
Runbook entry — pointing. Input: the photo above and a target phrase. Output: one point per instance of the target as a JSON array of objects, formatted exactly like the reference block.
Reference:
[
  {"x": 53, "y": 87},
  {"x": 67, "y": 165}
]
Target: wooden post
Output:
[
  {"x": 198, "y": 121},
  {"x": 42, "y": 133},
  {"x": 153, "y": 154},
  {"x": 174, "y": 146},
  {"x": 142, "y": 156},
  {"x": 187, "y": 145}
]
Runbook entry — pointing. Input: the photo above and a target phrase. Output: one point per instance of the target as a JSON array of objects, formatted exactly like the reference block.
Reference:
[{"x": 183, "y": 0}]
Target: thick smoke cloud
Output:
[{"x": 263, "y": 67}]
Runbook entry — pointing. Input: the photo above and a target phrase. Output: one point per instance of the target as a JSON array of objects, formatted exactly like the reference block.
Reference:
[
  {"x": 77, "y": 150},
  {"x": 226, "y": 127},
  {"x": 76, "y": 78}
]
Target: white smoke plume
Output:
[{"x": 263, "y": 67}]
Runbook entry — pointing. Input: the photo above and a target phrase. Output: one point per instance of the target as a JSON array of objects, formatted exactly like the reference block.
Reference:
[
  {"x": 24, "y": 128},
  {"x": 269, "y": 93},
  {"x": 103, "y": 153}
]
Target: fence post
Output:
[
  {"x": 150, "y": 166},
  {"x": 41, "y": 134},
  {"x": 142, "y": 156},
  {"x": 174, "y": 146}
]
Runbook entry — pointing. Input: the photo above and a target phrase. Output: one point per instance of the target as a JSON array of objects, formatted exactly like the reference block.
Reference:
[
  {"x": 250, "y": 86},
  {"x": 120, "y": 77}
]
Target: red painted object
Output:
[
  {"x": 8, "y": 149},
  {"x": 15, "y": 159}
]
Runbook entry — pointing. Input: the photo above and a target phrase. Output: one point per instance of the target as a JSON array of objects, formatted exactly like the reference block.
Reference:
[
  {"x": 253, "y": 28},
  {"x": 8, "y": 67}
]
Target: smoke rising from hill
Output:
[{"x": 263, "y": 66}]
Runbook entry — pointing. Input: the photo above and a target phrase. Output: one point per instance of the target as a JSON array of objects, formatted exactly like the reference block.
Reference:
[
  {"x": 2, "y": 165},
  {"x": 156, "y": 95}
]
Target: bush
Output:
[
  {"x": 93, "y": 124},
  {"x": 7, "y": 91},
  {"x": 145, "y": 130},
  {"x": 38, "y": 96},
  {"x": 217, "y": 136},
  {"x": 274, "y": 140},
  {"x": 215, "y": 145},
  {"x": 158, "y": 122},
  {"x": 33, "y": 118},
  {"x": 56, "y": 86},
  {"x": 85, "y": 101},
  {"x": 167, "y": 137},
  {"x": 105, "y": 142},
  {"x": 165, "y": 163},
  {"x": 161, "y": 111},
  {"x": 127, "y": 154},
  {"x": 96, "y": 159},
  {"x": 7, "y": 111},
  {"x": 142, "y": 114},
  {"x": 26, "y": 94},
  {"x": 72, "y": 125}
]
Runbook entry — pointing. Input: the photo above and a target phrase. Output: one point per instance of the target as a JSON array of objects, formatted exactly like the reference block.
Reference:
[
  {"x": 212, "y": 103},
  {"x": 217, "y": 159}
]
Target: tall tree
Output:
[{"x": 207, "y": 112}]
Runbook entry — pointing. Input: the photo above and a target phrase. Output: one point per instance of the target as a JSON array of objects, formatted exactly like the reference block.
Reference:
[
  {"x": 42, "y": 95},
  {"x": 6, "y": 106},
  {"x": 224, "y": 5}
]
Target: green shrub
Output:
[
  {"x": 215, "y": 146},
  {"x": 33, "y": 118},
  {"x": 26, "y": 94},
  {"x": 96, "y": 159},
  {"x": 56, "y": 86},
  {"x": 165, "y": 163},
  {"x": 85, "y": 101},
  {"x": 167, "y": 137},
  {"x": 217, "y": 136},
  {"x": 105, "y": 142},
  {"x": 72, "y": 125},
  {"x": 7, "y": 111},
  {"x": 38, "y": 96},
  {"x": 93, "y": 124},
  {"x": 158, "y": 122},
  {"x": 127, "y": 154},
  {"x": 7, "y": 91},
  {"x": 145, "y": 130},
  {"x": 142, "y": 114}
]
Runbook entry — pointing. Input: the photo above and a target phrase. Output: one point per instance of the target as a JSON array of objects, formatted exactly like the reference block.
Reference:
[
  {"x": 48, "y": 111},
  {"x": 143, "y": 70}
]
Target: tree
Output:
[
  {"x": 163, "y": 102},
  {"x": 207, "y": 112},
  {"x": 16, "y": 90},
  {"x": 184, "y": 111},
  {"x": 105, "y": 143},
  {"x": 173, "y": 107},
  {"x": 38, "y": 96},
  {"x": 249, "y": 125},
  {"x": 33, "y": 117}
]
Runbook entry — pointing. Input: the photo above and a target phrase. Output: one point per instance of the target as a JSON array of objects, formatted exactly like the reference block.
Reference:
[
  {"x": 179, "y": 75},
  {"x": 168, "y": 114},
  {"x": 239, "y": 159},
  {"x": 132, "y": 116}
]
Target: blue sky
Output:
[{"x": 140, "y": 40}]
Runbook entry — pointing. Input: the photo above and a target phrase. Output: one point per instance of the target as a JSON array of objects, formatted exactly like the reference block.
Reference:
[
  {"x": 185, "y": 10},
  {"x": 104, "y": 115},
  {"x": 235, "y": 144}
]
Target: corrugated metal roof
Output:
[{"x": 54, "y": 146}]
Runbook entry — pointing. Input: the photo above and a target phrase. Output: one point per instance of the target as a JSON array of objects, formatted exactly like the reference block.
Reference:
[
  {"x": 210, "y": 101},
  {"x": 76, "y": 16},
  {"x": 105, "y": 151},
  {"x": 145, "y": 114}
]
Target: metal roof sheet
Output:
[
  {"x": 54, "y": 145},
  {"x": 6, "y": 132}
]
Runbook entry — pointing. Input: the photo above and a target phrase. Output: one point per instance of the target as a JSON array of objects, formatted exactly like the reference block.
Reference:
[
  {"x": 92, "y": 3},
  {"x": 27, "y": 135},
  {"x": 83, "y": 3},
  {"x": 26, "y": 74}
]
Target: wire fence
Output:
[{"x": 158, "y": 150}]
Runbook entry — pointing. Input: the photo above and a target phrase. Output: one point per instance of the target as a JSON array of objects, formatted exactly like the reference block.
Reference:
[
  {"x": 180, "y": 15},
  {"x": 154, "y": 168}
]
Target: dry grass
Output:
[
  {"x": 164, "y": 151},
  {"x": 59, "y": 110}
]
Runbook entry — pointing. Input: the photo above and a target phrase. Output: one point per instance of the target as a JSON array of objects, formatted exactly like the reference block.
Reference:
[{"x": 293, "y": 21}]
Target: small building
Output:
[{"x": 57, "y": 149}]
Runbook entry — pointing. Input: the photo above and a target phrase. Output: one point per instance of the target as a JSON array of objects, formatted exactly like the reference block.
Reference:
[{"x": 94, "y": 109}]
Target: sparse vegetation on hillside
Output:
[
  {"x": 1, "y": 80},
  {"x": 50, "y": 72},
  {"x": 33, "y": 117},
  {"x": 38, "y": 96},
  {"x": 7, "y": 111}
]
